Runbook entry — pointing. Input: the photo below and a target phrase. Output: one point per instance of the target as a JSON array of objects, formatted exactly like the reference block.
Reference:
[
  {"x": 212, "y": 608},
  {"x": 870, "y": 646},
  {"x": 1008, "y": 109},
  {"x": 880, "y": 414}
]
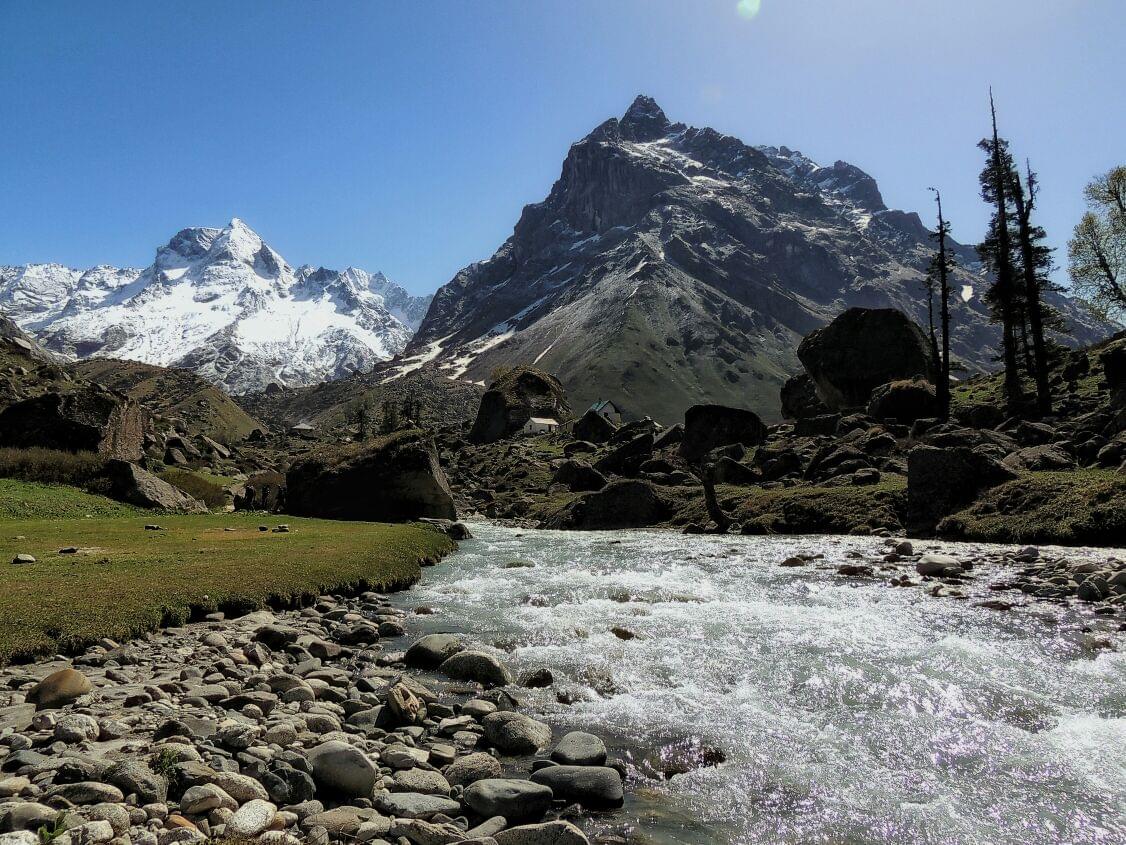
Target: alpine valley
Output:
[{"x": 219, "y": 302}]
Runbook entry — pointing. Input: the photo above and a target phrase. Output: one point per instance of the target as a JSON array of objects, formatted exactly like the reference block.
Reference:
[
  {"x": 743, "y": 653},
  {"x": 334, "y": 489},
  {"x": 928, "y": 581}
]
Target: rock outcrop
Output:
[
  {"x": 940, "y": 481},
  {"x": 514, "y": 398},
  {"x": 904, "y": 401},
  {"x": 593, "y": 427},
  {"x": 708, "y": 427},
  {"x": 135, "y": 486},
  {"x": 621, "y": 504},
  {"x": 86, "y": 420},
  {"x": 862, "y": 349},
  {"x": 393, "y": 479}
]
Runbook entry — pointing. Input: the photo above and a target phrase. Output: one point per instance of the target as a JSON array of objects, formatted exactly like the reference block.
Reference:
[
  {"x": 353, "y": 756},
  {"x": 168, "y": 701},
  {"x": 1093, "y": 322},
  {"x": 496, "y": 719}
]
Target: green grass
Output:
[
  {"x": 126, "y": 580},
  {"x": 1082, "y": 507},
  {"x": 196, "y": 486},
  {"x": 806, "y": 510}
]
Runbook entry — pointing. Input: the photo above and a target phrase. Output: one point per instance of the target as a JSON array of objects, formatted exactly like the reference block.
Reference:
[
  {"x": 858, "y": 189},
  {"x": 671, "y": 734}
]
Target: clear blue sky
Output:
[{"x": 406, "y": 136}]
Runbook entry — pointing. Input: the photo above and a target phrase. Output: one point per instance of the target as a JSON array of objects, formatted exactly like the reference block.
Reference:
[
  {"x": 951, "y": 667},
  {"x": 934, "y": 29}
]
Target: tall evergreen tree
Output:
[
  {"x": 939, "y": 273},
  {"x": 997, "y": 254},
  {"x": 1035, "y": 265}
]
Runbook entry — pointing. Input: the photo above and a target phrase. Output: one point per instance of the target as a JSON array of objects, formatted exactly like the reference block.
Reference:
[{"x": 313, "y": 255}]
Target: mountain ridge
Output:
[
  {"x": 670, "y": 265},
  {"x": 220, "y": 302}
]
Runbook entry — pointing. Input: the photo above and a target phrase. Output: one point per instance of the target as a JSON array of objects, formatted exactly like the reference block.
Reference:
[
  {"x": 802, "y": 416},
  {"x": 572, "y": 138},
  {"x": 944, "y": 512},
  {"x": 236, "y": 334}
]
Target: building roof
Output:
[
  {"x": 544, "y": 421},
  {"x": 603, "y": 404}
]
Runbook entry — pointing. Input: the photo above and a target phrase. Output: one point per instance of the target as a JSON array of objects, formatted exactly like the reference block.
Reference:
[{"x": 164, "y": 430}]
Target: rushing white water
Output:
[{"x": 848, "y": 711}]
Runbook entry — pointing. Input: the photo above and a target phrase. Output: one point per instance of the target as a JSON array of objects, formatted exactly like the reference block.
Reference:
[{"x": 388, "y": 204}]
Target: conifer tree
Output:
[
  {"x": 939, "y": 275},
  {"x": 996, "y": 252}
]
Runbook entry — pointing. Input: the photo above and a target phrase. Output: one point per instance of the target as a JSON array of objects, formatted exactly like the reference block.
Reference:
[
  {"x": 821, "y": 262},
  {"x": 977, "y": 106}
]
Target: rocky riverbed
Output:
[{"x": 297, "y": 726}]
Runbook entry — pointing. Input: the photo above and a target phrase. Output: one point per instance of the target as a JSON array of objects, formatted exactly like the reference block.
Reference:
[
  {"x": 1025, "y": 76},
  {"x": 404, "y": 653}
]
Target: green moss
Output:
[
  {"x": 1083, "y": 507},
  {"x": 126, "y": 580},
  {"x": 806, "y": 510}
]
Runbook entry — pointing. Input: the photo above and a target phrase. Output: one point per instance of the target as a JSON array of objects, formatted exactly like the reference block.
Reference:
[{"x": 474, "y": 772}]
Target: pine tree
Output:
[
  {"x": 1035, "y": 265},
  {"x": 939, "y": 275},
  {"x": 997, "y": 254}
]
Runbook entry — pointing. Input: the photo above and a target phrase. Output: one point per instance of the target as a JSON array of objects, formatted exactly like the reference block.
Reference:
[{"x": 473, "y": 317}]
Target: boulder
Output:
[
  {"x": 800, "y": 400},
  {"x": 514, "y": 398},
  {"x": 593, "y": 428},
  {"x": 392, "y": 479},
  {"x": 579, "y": 477},
  {"x": 904, "y": 401},
  {"x": 479, "y": 666},
  {"x": 627, "y": 458},
  {"x": 516, "y": 733},
  {"x": 472, "y": 767},
  {"x": 343, "y": 769},
  {"x": 707, "y": 427},
  {"x": 548, "y": 833},
  {"x": 87, "y": 420},
  {"x": 941, "y": 481},
  {"x": 1047, "y": 457},
  {"x": 517, "y": 800},
  {"x": 59, "y": 688},
  {"x": 621, "y": 504},
  {"x": 580, "y": 749},
  {"x": 595, "y": 787},
  {"x": 129, "y": 483},
  {"x": 432, "y": 650},
  {"x": 861, "y": 349}
]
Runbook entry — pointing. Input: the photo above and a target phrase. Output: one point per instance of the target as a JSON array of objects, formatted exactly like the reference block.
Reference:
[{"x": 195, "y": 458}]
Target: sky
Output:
[{"x": 407, "y": 136}]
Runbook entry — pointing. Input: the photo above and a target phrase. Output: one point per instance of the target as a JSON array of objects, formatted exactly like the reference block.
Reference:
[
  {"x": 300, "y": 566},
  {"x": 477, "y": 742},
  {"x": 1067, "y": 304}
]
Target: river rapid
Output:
[{"x": 847, "y": 711}]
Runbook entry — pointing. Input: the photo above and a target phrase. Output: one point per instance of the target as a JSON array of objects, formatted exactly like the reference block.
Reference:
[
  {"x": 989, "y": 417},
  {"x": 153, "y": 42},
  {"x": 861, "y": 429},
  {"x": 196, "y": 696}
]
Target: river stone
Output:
[
  {"x": 937, "y": 564},
  {"x": 413, "y": 805},
  {"x": 595, "y": 787},
  {"x": 91, "y": 832},
  {"x": 580, "y": 749},
  {"x": 516, "y": 733},
  {"x": 516, "y": 800},
  {"x": 87, "y": 792},
  {"x": 242, "y": 788},
  {"x": 476, "y": 666},
  {"x": 252, "y": 818},
  {"x": 76, "y": 727},
  {"x": 117, "y": 815},
  {"x": 420, "y": 780},
  {"x": 28, "y": 815},
  {"x": 433, "y": 650},
  {"x": 548, "y": 833},
  {"x": 135, "y": 778},
  {"x": 201, "y": 799},
  {"x": 59, "y": 688},
  {"x": 343, "y": 768},
  {"x": 473, "y": 767}
]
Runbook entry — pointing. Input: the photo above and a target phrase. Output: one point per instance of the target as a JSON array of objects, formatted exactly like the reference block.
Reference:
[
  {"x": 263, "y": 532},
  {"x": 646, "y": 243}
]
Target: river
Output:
[{"x": 847, "y": 711}]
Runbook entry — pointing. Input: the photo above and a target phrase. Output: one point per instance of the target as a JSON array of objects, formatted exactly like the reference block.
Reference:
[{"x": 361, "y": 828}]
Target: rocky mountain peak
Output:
[{"x": 643, "y": 121}]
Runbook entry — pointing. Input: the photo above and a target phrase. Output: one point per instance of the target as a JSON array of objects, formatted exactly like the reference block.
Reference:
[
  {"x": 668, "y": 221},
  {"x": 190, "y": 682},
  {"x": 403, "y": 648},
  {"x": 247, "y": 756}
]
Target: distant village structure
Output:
[
  {"x": 540, "y": 425},
  {"x": 606, "y": 408}
]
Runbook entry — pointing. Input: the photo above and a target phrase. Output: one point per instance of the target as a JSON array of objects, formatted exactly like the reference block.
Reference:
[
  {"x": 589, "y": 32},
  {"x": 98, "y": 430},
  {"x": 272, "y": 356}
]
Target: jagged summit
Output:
[
  {"x": 671, "y": 265},
  {"x": 221, "y": 302}
]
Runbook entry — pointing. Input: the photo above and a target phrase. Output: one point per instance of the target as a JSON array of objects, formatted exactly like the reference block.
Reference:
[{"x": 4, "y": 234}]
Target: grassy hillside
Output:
[
  {"x": 125, "y": 580},
  {"x": 173, "y": 393}
]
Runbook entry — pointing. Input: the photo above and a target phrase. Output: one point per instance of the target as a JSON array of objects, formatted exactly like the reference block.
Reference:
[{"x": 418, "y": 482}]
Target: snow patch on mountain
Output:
[{"x": 221, "y": 302}]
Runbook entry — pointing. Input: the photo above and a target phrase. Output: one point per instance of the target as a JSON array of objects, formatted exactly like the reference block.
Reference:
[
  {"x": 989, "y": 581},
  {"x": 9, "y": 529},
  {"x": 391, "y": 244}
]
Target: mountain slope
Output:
[
  {"x": 671, "y": 265},
  {"x": 221, "y": 303}
]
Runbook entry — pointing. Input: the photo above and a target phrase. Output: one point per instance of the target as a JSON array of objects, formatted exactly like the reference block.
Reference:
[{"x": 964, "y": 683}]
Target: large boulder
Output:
[
  {"x": 800, "y": 400},
  {"x": 593, "y": 427},
  {"x": 861, "y": 349},
  {"x": 579, "y": 477},
  {"x": 621, "y": 504},
  {"x": 59, "y": 688},
  {"x": 129, "y": 483},
  {"x": 941, "y": 481},
  {"x": 708, "y": 427},
  {"x": 904, "y": 401},
  {"x": 513, "y": 399},
  {"x": 1113, "y": 359},
  {"x": 86, "y": 420},
  {"x": 392, "y": 479}
]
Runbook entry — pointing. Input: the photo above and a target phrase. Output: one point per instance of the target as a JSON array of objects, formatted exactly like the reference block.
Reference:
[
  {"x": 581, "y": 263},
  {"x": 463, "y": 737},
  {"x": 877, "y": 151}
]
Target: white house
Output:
[
  {"x": 606, "y": 408},
  {"x": 540, "y": 425}
]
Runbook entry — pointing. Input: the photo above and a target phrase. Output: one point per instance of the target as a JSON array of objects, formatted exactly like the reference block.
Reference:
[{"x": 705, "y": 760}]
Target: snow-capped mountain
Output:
[
  {"x": 671, "y": 265},
  {"x": 220, "y": 302}
]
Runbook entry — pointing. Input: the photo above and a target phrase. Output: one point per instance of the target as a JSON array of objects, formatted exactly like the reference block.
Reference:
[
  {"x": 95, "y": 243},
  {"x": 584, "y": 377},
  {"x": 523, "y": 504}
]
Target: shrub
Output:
[
  {"x": 51, "y": 466},
  {"x": 210, "y": 494}
]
